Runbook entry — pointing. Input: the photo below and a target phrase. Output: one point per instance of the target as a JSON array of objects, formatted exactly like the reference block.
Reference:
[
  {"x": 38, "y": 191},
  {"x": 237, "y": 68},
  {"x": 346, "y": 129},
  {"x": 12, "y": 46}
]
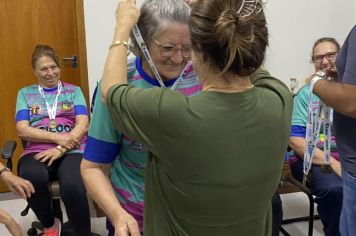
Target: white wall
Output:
[
  {"x": 99, "y": 27},
  {"x": 293, "y": 24}
]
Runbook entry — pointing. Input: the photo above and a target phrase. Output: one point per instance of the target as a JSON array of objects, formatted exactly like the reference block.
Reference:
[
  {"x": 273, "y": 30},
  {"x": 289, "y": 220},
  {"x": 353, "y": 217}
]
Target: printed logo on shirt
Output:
[
  {"x": 35, "y": 110},
  {"x": 66, "y": 106}
]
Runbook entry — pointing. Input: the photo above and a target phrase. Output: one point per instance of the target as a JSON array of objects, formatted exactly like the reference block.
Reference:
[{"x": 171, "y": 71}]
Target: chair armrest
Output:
[
  {"x": 8, "y": 149},
  {"x": 291, "y": 180}
]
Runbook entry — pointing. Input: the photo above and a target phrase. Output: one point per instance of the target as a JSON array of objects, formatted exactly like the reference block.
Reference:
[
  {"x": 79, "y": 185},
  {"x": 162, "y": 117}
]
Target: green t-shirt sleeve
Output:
[
  {"x": 135, "y": 112},
  {"x": 261, "y": 78},
  {"x": 101, "y": 126}
]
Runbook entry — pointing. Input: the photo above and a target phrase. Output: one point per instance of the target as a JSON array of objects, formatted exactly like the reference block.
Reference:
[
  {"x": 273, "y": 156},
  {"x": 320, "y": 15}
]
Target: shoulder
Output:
[
  {"x": 303, "y": 91},
  {"x": 29, "y": 89},
  {"x": 261, "y": 78},
  {"x": 68, "y": 85}
]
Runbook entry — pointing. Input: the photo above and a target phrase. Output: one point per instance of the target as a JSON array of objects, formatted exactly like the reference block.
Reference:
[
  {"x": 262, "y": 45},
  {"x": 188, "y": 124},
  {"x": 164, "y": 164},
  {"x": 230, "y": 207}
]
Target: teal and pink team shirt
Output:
[
  {"x": 128, "y": 157},
  {"x": 300, "y": 119},
  {"x": 31, "y": 106}
]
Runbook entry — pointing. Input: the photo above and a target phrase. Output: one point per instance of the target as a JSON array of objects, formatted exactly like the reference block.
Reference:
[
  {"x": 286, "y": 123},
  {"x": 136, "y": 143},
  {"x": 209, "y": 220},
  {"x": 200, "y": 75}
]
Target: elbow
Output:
[
  {"x": 103, "y": 93},
  {"x": 292, "y": 144},
  {"x": 351, "y": 110},
  {"x": 295, "y": 144},
  {"x": 103, "y": 98},
  {"x": 21, "y": 133}
]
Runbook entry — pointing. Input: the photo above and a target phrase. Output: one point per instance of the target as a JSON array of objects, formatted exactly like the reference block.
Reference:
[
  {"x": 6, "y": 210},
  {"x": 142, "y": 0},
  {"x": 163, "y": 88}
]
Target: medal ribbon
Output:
[
  {"x": 318, "y": 114},
  {"x": 52, "y": 110}
]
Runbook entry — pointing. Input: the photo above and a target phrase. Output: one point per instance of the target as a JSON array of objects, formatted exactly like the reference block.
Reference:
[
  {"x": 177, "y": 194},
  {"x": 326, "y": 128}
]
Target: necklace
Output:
[{"x": 230, "y": 88}]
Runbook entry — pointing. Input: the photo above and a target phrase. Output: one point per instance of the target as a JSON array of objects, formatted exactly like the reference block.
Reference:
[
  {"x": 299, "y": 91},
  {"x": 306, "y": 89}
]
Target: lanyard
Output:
[
  {"x": 318, "y": 114},
  {"x": 141, "y": 43},
  {"x": 52, "y": 110}
]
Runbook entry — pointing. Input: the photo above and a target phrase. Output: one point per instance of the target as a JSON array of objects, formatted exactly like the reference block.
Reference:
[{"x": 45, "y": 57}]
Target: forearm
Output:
[
  {"x": 341, "y": 97},
  {"x": 81, "y": 128},
  {"x": 298, "y": 145},
  {"x": 115, "y": 70},
  {"x": 36, "y": 135},
  {"x": 99, "y": 187}
]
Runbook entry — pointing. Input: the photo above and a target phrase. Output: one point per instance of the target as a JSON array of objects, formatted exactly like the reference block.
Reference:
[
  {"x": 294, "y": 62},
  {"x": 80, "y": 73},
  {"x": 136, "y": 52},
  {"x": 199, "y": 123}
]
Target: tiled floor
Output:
[{"x": 294, "y": 204}]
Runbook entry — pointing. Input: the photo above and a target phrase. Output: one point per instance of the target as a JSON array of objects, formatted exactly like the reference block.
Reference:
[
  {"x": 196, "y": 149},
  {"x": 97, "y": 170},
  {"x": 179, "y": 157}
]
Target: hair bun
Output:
[{"x": 228, "y": 17}]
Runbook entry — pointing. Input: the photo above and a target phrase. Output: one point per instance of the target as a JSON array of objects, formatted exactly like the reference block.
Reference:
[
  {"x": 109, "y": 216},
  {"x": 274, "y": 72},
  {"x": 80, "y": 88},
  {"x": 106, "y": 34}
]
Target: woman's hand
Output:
[
  {"x": 49, "y": 155},
  {"x": 67, "y": 141},
  {"x": 127, "y": 14},
  {"x": 126, "y": 225},
  {"x": 18, "y": 185}
]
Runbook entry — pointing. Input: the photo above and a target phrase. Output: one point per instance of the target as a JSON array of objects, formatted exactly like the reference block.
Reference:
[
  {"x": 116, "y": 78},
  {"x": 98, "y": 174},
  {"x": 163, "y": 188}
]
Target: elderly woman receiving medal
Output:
[{"x": 51, "y": 116}]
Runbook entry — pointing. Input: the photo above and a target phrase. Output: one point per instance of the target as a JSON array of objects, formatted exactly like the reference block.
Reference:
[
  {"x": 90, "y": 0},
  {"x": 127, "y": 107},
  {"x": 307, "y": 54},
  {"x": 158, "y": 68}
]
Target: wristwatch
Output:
[
  {"x": 60, "y": 148},
  {"x": 4, "y": 169}
]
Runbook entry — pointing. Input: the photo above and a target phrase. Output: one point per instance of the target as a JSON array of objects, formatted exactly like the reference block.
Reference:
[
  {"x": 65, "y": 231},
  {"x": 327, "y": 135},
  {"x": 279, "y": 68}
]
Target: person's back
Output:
[{"x": 222, "y": 181}]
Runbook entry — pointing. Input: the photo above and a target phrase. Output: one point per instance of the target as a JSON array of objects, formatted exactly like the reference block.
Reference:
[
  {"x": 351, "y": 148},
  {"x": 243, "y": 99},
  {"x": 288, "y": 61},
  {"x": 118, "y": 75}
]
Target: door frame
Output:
[{"x": 84, "y": 84}]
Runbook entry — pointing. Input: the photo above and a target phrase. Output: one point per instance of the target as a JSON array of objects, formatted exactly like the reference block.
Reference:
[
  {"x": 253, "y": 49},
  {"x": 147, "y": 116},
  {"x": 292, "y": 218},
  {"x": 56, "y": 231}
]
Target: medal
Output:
[
  {"x": 307, "y": 178},
  {"x": 52, "y": 124},
  {"x": 52, "y": 110},
  {"x": 326, "y": 169}
]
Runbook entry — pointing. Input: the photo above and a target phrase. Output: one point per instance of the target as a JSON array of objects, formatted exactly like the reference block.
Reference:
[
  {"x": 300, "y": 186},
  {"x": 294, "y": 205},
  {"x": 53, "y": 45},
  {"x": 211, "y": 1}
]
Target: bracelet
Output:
[
  {"x": 315, "y": 78},
  {"x": 4, "y": 169},
  {"x": 118, "y": 43},
  {"x": 60, "y": 148}
]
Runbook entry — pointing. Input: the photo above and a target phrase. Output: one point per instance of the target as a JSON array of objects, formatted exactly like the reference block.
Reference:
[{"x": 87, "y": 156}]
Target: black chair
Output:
[
  {"x": 53, "y": 186},
  {"x": 289, "y": 180}
]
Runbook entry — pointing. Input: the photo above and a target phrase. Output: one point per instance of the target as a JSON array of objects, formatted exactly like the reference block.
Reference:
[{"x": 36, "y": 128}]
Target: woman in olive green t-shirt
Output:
[{"x": 216, "y": 157}]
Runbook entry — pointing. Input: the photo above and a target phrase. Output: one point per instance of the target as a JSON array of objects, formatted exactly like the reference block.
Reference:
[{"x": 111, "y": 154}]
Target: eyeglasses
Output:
[
  {"x": 319, "y": 58},
  {"x": 169, "y": 50}
]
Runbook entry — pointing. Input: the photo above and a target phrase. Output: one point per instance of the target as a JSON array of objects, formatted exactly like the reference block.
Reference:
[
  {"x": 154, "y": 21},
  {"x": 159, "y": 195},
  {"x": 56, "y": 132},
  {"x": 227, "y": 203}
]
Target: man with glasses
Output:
[{"x": 327, "y": 187}]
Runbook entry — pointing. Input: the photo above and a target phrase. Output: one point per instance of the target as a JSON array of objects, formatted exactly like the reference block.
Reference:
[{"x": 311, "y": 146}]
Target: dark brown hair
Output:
[
  {"x": 325, "y": 40},
  {"x": 233, "y": 43},
  {"x": 44, "y": 50}
]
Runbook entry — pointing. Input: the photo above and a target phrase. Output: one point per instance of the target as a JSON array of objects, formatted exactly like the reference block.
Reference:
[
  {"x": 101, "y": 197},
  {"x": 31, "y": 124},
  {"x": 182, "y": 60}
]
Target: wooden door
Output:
[{"x": 23, "y": 24}]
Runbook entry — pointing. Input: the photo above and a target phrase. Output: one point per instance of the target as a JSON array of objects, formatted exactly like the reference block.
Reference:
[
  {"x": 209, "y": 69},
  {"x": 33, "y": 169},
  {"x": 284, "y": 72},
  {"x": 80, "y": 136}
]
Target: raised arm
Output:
[
  {"x": 340, "y": 96},
  {"x": 115, "y": 70}
]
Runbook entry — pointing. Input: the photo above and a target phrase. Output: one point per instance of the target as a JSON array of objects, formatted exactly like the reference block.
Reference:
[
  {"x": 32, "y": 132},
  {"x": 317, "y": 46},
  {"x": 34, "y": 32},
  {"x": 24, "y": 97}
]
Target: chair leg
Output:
[
  {"x": 311, "y": 215},
  {"x": 284, "y": 232}
]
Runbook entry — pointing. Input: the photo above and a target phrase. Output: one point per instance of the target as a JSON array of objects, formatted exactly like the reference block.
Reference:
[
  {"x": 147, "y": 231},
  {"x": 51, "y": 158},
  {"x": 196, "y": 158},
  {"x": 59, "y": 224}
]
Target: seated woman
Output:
[
  {"x": 51, "y": 116},
  {"x": 326, "y": 187},
  {"x": 215, "y": 158}
]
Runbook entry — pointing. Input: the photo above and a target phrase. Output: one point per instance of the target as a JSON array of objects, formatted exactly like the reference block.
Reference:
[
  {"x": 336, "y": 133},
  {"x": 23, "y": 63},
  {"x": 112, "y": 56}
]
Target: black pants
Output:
[
  {"x": 277, "y": 213},
  {"x": 73, "y": 194},
  {"x": 328, "y": 191}
]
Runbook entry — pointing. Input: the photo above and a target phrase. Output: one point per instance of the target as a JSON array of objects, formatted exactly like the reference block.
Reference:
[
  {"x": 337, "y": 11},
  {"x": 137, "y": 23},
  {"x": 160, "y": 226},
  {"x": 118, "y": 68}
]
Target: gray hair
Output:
[{"x": 156, "y": 16}]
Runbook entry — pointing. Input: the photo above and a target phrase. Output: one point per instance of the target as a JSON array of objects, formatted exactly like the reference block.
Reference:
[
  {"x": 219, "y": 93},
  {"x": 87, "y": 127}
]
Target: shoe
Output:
[{"x": 55, "y": 230}]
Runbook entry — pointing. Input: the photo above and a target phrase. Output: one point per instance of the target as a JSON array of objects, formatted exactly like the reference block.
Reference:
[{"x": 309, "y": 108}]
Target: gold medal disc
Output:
[{"x": 53, "y": 124}]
